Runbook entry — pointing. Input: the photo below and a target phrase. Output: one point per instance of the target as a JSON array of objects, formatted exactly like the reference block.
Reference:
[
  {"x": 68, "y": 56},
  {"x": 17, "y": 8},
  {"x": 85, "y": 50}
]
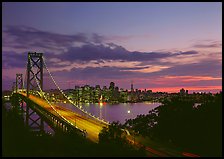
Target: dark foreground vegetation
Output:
[
  {"x": 195, "y": 128},
  {"x": 18, "y": 141}
]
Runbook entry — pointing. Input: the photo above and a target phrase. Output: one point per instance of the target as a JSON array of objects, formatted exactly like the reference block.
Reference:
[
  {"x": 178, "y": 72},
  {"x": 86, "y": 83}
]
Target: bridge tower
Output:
[
  {"x": 34, "y": 71},
  {"x": 19, "y": 81},
  {"x": 34, "y": 78}
]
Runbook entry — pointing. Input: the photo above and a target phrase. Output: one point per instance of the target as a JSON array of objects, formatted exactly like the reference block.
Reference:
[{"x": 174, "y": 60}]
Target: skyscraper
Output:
[{"x": 132, "y": 89}]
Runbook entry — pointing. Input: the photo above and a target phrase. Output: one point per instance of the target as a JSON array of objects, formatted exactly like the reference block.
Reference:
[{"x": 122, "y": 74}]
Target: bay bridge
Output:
[{"x": 32, "y": 100}]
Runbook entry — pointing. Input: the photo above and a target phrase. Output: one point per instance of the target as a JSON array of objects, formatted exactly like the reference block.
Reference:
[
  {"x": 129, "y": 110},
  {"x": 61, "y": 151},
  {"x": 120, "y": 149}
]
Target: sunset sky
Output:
[{"x": 159, "y": 46}]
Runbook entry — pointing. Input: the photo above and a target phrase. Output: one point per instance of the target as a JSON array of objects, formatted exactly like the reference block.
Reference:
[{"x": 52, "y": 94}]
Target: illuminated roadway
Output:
[{"x": 92, "y": 128}]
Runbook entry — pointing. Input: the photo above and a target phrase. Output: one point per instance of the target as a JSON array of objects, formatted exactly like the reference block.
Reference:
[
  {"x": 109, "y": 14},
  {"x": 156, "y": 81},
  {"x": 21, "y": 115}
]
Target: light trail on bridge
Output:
[{"x": 92, "y": 128}]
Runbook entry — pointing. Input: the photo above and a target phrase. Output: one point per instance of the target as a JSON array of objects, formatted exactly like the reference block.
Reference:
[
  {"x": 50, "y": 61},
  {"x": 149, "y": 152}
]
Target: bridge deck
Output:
[{"x": 92, "y": 128}]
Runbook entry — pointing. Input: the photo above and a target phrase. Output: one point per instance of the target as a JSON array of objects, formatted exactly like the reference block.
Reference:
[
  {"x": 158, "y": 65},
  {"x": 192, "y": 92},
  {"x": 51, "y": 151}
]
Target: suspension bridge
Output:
[{"x": 34, "y": 101}]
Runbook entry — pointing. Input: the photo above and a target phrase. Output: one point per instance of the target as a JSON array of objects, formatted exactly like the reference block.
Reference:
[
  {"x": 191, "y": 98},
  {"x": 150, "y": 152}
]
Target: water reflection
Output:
[{"x": 115, "y": 112}]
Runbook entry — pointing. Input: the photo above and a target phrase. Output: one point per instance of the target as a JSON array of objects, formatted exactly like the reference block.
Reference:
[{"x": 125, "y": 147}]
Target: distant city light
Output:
[{"x": 129, "y": 111}]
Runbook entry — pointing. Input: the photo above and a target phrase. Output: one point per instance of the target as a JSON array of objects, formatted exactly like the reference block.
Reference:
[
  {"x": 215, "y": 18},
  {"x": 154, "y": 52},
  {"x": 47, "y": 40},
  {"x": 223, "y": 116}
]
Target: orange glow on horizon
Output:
[{"x": 189, "y": 88}]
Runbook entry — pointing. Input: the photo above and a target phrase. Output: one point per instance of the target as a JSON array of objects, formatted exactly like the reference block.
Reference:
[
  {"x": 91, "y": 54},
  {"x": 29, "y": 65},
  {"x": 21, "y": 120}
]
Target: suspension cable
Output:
[
  {"x": 71, "y": 100},
  {"x": 25, "y": 77}
]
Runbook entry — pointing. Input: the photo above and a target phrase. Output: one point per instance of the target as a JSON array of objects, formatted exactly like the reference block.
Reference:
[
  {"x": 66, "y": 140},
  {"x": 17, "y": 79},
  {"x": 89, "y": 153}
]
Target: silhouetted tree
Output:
[
  {"x": 178, "y": 121},
  {"x": 112, "y": 134}
]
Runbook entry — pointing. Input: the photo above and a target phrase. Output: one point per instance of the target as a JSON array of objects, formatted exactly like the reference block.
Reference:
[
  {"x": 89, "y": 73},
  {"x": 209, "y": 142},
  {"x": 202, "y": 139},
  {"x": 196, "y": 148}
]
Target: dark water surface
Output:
[{"x": 116, "y": 112}]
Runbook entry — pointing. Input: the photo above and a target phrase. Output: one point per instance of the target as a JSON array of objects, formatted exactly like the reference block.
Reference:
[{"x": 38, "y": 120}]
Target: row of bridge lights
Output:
[
  {"x": 102, "y": 120},
  {"x": 70, "y": 100}
]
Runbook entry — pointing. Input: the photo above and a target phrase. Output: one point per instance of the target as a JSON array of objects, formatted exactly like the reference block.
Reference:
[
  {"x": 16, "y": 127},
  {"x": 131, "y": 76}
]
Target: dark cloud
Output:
[
  {"x": 201, "y": 68},
  {"x": 210, "y": 44},
  {"x": 95, "y": 52},
  {"x": 101, "y": 72},
  {"x": 24, "y": 35},
  {"x": 17, "y": 37}
]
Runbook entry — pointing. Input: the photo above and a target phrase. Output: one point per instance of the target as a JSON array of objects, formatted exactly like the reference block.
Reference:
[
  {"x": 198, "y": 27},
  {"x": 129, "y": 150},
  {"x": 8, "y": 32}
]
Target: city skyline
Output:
[{"x": 159, "y": 46}]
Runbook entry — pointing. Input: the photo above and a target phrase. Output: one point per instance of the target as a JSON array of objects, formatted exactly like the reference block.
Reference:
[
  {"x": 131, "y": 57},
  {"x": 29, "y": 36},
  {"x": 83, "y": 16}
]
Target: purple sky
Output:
[{"x": 159, "y": 46}]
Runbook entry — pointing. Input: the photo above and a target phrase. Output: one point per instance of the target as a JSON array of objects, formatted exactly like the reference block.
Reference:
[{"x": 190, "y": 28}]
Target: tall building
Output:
[{"x": 132, "y": 89}]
